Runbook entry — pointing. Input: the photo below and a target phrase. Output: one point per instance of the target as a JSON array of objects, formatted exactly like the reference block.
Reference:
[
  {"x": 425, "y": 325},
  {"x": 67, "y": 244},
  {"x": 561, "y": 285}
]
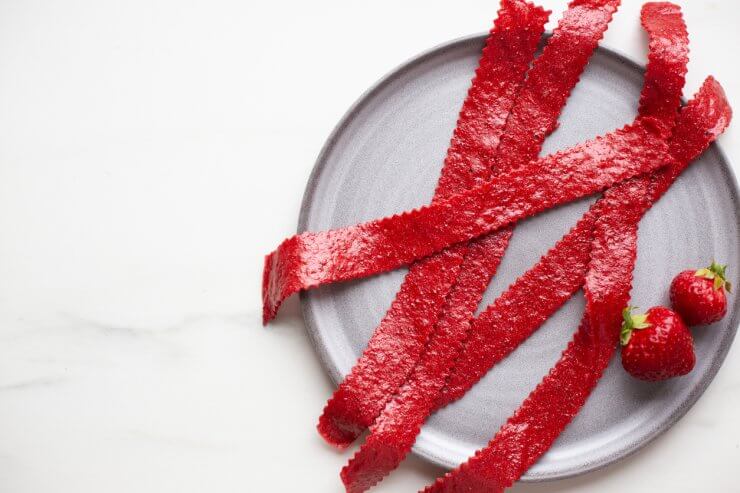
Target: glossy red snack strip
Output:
[
  {"x": 394, "y": 432},
  {"x": 557, "y": 276},
  {"x": 548, "y": 85},
  {"x": 551, "y": 80},
  {"x": 700, "y": 123},
  {"x": 553, "y": 76},
  {"x": 504, "y": 62},
  {"x": 668, "y": 55},
  {"x": 311, "y": 259},
  {"x": 664, "y": 80},
  {"x": 402, "y": 334},
  {"x": 553, "y": 404},
  {"x": 565, "y": 390},
  {"x": 566, "y": 53},
  {"x": 521, "y": 309}
]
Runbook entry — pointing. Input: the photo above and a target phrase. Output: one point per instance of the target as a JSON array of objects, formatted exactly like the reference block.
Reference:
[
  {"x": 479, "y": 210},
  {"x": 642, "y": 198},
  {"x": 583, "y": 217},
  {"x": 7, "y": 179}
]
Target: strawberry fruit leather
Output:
[
  {"x": 553, "y": 76},
  {"x": 402, "y": 335},
  {"x": 310, "y": 259},
  {"x": 558, "y": 398},
  {"x": 668, "y": 47},
  {"x": 429, "y": 349},
  {"x": 505, "y": 324},
  {"x": 565, "y": 54}
]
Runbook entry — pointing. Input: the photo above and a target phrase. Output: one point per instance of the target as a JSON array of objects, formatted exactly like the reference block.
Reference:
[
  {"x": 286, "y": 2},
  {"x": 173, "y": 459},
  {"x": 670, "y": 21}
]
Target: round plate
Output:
[{"x": 385, "y": 157}]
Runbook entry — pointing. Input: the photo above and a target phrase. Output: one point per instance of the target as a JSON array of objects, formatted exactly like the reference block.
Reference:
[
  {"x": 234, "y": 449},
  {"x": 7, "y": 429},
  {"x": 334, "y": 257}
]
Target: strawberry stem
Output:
[
  {"x": 717, "y": 273},
  {"x": 631, "y": 323}
]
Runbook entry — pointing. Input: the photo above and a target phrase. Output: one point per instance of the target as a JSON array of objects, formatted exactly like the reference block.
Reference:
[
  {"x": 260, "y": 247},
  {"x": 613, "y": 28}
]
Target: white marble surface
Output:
[{"x": 152, "y": 151}]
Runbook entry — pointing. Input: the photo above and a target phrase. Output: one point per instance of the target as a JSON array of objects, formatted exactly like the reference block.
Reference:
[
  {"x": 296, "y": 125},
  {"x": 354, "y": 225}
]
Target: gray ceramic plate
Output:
[{"x": 385, "y": 156}]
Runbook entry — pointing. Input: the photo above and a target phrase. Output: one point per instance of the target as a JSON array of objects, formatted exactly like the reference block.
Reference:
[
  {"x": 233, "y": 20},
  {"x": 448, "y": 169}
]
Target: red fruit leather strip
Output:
[
  {"x": 567, "y": 53},
  {"x": 703, "y": 120},
  {"x": 553, "y": 404},
  {"x": 558, "y": 398},
  {"x": 521, "y": 309},
  {"x": 538, "y": 105},
  {"x": 504, "y": 61},
  {"x": 668, "y": 55},
  {"x": 552, "y": 78},
  {"x": 509, "y": 50},
  {"x": 312, "y": 259},
  {"x": 403, "y": 333},
  {"x": 661, "y": 95},
  {"x": 607, "y": 288},
  {"x": 394, "y": 432}
]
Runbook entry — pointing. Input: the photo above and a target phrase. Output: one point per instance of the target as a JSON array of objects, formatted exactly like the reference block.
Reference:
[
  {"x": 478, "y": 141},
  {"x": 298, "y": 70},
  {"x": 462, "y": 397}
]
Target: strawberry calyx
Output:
[
  {"x": 716, "y": 273},
  {"x": 631, "y": 323}
]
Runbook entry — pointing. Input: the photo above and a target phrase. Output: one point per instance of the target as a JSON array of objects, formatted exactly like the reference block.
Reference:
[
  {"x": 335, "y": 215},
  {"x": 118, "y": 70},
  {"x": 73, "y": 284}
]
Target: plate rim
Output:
[{"x": 336, "y": 376}]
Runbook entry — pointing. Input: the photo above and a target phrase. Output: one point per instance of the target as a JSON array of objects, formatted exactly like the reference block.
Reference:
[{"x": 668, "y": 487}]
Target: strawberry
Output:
[
  {"x": 699, "y": 296},
  {"x": 657, "y": 345}
]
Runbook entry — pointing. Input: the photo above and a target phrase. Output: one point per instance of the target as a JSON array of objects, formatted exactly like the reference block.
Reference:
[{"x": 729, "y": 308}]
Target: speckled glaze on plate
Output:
[{"x": 385, "y": 155}]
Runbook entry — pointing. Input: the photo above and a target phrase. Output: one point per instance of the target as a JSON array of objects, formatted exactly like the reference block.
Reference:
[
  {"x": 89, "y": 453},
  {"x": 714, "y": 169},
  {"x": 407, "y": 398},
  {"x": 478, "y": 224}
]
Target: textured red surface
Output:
[
  {"x": 668, "y": 54},
  {"x": 537, "y": 294},
  {"x": 561, "y": 394},
  {"x": 539, "y": 102},
  {"x": 598, "y": 253},
  {"x": 311, "y": 259},
  {"x": 546, "y": 412},
  {"x": 395, "y": 430},
  {"x": 663, "y": 350},
  {"x": 553, "y": 76},
  {"x": 668, "y": 47},
  {"x": 503, "y": 63},
  {"x": 401, "y": 336},
  {"x": 522, "y": 308},
  {"x": 558, "y": 398},
  {"x": 533, "y": 117}
]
